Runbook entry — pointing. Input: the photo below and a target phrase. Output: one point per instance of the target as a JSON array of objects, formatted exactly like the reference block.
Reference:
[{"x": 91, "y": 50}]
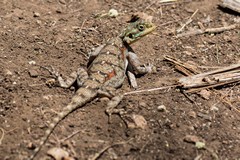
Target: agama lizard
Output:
[{"x": 106, "y": 72}]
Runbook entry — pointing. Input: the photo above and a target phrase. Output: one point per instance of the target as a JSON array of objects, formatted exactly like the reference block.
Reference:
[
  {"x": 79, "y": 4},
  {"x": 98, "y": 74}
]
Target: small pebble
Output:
[
  {"x": 161, "y": 108},
  {"x": 192, "y": 114},
  {"x": 191, "y": 128},
  {"x": 205, "y": 94},
  {"x": 214, "y": 108},
  {"x": 191, "y": 139},
  {"x": 113, "y": 13},
  {"x": 140, "y": 121},
  {"x": 36, "y": 14},
  {"x": 8, "y": 72},
  {"x": 59, "y": 154},
  {"x": 204, "y": 116},
  {"x": 200, "y": 145},
  {"x": 31, "y": 146},
  {"x": 33, "y": 73},
  {"x": 143, "y": 104},
  {"x": 32, "y": 62},
  {"x": 62, "y": 1},
  {"x": 104, "y": 99},
  {"x": 48, "y": 97}
]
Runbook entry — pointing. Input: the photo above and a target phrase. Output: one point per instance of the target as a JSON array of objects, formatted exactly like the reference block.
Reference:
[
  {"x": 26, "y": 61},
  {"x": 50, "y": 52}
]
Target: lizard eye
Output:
[
  {"x": 141, "y": 27},
  {"x": 130, "y": 35}
]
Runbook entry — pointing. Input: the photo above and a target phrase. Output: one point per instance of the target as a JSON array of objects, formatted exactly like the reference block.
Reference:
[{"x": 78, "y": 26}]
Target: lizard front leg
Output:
[
  {"x": 135, "y": 64},
  {"x": 92, "y": 55},
  {"x": 135, "y": 67}
]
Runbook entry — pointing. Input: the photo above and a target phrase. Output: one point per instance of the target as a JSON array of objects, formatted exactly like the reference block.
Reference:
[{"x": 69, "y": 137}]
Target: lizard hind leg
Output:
[
  {"x": 111, "y": 107},
  {"x": 82, "y": 76}
]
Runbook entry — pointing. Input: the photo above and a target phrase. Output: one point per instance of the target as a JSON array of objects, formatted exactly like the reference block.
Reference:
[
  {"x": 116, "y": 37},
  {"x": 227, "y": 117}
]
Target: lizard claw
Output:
[
  {"x": 150, "y": 68},
  {"x": 111, "y": 107},
  {"x": 52, "y": 71}
]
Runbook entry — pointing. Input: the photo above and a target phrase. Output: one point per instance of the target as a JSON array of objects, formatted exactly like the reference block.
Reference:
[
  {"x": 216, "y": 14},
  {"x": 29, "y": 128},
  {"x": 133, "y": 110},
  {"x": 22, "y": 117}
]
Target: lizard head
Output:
[{"x": 137, "y": 28}]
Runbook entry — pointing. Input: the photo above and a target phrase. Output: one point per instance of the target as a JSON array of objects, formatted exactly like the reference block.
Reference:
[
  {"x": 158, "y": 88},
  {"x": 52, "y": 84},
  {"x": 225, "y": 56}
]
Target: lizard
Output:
[{"x": 105, "y": 73}]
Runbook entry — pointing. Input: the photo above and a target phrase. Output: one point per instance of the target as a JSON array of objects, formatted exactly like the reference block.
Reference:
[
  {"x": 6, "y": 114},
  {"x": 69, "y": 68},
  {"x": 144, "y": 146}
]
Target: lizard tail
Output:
[{"x": 82, "y": 96}]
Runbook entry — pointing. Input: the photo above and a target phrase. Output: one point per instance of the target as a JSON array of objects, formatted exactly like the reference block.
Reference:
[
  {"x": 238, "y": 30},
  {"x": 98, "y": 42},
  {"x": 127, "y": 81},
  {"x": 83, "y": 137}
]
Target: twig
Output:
[
  {"x": 212, "y": 153},
  {"x": 3, "y": 133},
  {"x": 226, "y": 100},
  {"x": 201, "y": 87},
  {"x": 187, "y": 22},
  {"x": 169, "y": 22},
  {"x": 150, "y": 5},
  {"x": 208, "y": 30},
  {"x": 71, "y": 135},
  {"x": 150, "y": 90},
  {"x": 231, "y": 106},
  {"x": 80, "y": 30},
  {"x": 221, "y": 29},
  {"x": 183, "y": 67},
  {"x": 161, "y": 1},
  {"x": 97, "y": 155}
]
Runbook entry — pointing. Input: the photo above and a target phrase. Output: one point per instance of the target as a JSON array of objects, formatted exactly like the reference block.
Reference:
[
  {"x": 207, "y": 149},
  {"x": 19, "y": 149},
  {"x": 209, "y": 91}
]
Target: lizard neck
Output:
[{"x": 118, "y": 41}]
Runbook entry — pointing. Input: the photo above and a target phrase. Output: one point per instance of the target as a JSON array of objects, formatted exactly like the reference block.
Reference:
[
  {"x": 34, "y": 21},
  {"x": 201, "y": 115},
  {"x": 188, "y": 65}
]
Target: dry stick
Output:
[
  {"x": 97, "y": 155},
  {"x": 80, "y": 30},
  {"x": 187, "y": 22},
  {"x": 193, "y": 81},
  {"x": 193, "y": 90},
  {"x": 150, "y": 5},
  {"x": 169, "y": 22},
  {"x": 3, "y": 133},
  {"x": 163, "y": 2},
  {"x": 208, "y": 30},
  {"x": 181, "y": 64},
  {"x": 231, "y": 4},
  {"x": 71, "y": 135},
  {"x": 150, "y": 90},
  {"x": 227, "y": 101}
]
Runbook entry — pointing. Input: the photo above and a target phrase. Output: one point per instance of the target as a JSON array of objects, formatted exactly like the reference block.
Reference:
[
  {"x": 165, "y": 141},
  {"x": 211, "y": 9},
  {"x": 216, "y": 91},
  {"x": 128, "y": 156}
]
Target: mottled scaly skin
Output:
[{"x": 106, "y": 72}]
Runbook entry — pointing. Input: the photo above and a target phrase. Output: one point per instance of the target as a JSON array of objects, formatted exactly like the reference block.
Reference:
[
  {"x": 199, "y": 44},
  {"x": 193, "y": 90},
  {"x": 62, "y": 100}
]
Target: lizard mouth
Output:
[
  {"x": 149, "y": 29},
  {"x": 134, "y": 37}
]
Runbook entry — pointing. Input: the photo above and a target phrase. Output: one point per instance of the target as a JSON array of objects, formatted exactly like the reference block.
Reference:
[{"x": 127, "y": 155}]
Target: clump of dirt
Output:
[{"x": 61, "y": 33}]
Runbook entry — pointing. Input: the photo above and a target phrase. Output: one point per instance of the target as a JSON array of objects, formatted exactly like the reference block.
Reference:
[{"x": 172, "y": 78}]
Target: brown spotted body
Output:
[{"x": 106, "y": 72}]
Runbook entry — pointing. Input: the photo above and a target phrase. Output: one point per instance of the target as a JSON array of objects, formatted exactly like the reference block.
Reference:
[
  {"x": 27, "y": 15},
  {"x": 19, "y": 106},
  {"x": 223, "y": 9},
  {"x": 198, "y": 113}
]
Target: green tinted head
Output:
[{"x": 136, "y": 30}]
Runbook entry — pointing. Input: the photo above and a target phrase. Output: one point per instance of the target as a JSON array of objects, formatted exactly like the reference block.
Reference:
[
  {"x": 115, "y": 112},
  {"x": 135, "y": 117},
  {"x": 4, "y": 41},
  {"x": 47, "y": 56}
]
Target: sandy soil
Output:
[{"x": 61, "y": 33}]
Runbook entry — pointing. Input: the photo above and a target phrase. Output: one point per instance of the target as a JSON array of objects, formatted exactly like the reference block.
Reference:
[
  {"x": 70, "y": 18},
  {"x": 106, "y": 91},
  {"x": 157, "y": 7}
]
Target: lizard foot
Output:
[
  {"x": 58, "y": 79},
  {"x": 51, "y": 70},
  {"x": 150, "y": 68},
  {"x": 111, "y": 107}
]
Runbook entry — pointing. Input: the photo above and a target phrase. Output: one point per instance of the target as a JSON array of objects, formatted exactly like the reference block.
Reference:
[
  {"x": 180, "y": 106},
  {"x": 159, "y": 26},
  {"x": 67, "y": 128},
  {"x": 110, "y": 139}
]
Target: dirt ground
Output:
[{"x": 61, "y": 33}]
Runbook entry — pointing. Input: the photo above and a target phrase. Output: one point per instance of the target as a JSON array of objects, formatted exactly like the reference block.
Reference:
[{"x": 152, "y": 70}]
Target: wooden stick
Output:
[
  {"x": 208, "y": 30},
  {"x": 182, "y": 67},
  {"x": 231, "y": 4},
  {"x": 219, "y": 77},
  {"x": 187, "y": 22},
  {"x": 192, "y": 79},
  {"x": 150, "y": 90}
]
